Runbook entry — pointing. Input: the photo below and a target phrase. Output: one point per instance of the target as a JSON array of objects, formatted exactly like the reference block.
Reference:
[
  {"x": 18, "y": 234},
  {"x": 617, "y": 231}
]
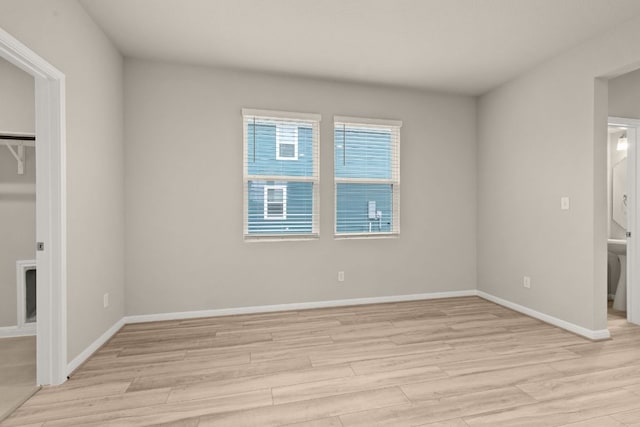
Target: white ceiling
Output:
[{"x": 463, "y": 46}]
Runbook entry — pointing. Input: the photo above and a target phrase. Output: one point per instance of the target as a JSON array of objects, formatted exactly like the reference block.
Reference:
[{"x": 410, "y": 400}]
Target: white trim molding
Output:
[
  {"x": 602, "y": 334},
  {"x": 293, "y": 306},
  {"x": 368, "y": 121},
  {"x": 50, "y": 207},
  {"x": 106, "y": 336},
  {"x": 14, "y": 331},
  {"x": 94, "y": 346},
  {"x": 275, "y": 114},
  {"x": 143, "y": 318}
]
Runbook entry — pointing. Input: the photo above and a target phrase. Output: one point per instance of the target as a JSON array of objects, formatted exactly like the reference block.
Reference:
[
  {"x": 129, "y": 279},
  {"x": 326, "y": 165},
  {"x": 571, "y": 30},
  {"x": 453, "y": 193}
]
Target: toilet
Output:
[
  {"x": 618, "y": 249},
  {"x": 620, "y": 300}
]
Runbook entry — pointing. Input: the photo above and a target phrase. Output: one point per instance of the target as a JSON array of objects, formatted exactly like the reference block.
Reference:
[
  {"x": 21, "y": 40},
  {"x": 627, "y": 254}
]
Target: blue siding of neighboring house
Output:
[
  {"x": 261, "y": 155},
  {"x": 299, "y": 214},
  {"x": 352, "y": 215}
]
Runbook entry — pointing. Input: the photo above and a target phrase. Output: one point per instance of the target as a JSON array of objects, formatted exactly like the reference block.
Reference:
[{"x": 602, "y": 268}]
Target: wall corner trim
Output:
[
  {"x": 591, "y": 334},
  {"x": 94, "y": 346}
]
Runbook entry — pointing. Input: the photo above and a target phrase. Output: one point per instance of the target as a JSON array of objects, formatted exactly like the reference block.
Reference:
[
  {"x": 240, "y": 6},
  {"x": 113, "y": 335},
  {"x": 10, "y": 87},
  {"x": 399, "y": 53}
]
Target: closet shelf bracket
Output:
[
  {"x": 18, "y": 155},
  {"x": 16, "y": 145}
]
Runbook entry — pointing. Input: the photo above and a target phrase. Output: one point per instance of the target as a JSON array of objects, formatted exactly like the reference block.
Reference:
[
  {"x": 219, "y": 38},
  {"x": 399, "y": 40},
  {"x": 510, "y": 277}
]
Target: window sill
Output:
[
  {"x": 279, "y": 237},
  {"x": 366, "y": 236}
]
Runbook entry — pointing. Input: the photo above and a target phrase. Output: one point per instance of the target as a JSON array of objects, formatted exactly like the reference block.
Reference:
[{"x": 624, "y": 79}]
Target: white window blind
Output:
[
  {"x": 281, "y": 174},
  {"x": 366, "y": 177}
]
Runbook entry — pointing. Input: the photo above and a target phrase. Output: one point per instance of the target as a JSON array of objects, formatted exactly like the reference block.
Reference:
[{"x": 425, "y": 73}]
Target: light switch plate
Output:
[{"x": 564, "y": 203}]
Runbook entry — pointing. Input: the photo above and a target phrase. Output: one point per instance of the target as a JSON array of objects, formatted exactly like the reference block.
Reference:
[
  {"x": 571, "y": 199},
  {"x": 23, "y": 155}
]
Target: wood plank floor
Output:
[
  {"x": 449, "y": 362},
  {"x": 17, "y": 372}
]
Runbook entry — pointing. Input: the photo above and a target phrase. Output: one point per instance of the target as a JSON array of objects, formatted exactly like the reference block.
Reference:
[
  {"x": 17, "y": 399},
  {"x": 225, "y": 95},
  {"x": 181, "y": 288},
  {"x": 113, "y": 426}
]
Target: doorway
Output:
[
  {"x": 621, "y": 211},
  {"x": 18, "y": 288},
  {"x": 623, "y": 291},
  {"x": 51, "y": 340}
]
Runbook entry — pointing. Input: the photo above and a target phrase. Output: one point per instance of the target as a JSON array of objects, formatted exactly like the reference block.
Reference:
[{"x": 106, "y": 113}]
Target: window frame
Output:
[
  {"x": 303, "y": 119},
  {"x": 266, "y": 202},
  {"x": 394, "y": 126}
]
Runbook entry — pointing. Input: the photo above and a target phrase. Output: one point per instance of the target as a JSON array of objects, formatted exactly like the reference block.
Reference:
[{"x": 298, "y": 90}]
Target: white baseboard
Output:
[
  {"x": 14, "y": 331},
  {"x": 293, "y": 306},
  {"x": 571, "y": 327},
  {"x": 82, "y": 357},
  {"x": 88, "y": 352}
]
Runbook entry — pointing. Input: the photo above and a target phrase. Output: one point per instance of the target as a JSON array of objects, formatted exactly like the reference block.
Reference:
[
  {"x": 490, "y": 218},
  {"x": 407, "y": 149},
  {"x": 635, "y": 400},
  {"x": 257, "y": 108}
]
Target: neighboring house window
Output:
[
  {"x": 367, "y": 177},
  {"x": 275, "y": 202},
  {"x": 286, "y": 141},
  {"x": 281, "y": 175}
]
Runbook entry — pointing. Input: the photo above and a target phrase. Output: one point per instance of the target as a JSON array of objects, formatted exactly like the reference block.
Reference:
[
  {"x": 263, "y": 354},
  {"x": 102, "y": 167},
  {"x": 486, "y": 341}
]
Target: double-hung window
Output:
[
  {"x": 367, "y": 177},
  {"x": 280, "y": 174}
]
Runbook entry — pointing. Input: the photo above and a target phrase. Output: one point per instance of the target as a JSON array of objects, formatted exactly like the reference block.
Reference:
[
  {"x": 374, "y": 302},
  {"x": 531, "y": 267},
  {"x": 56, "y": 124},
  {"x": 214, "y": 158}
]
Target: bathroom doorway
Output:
[{"x": 622, "y": 218}]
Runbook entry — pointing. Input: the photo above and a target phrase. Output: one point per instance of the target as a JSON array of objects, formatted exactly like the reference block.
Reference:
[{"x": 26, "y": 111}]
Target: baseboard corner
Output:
[
  {"x": 94, "y": 346},
  {"x": 594, "y": 335}
]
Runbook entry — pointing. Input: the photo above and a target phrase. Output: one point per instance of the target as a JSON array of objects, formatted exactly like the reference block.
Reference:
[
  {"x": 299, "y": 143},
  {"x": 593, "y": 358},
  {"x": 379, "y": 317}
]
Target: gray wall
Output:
[
  {"x": 184, "y": 194},
  {"x": 540, "y": 137},
  {"x": 61, "y": 32},
  {"x": 624, "y": 95},
  {"x": 17, "y": 208}
]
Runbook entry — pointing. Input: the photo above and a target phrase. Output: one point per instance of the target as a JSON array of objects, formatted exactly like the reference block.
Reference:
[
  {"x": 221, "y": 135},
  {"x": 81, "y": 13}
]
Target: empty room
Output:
[{"x": 319, "y": 213}]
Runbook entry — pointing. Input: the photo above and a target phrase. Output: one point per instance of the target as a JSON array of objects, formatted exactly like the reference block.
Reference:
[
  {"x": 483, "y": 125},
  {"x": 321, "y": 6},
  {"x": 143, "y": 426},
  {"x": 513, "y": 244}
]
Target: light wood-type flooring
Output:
[
  {"x": 17, "y": 372},
  {"x": 448, "y": 362}
]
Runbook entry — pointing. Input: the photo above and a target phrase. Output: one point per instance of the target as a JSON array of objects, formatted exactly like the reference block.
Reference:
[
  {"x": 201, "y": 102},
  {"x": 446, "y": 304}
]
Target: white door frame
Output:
[
  {"x": 50, "y": 208},
  {"x": 633, "y": 224}
]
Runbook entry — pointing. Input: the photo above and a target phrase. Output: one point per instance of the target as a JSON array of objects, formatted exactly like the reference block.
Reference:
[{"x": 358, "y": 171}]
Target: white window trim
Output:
[
  {"x": 266, "y": 202},
  {"x": 364, "y": 123},
  {"x": 284, "y": 115},
  {"x": 279, "y": 142}
]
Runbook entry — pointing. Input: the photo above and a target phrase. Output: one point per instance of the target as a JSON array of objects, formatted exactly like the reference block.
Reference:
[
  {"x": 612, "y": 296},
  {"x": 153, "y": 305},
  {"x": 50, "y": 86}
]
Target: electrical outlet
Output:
[
  {"x": 527, "y": 282},
  {"x": 340, "y": 276},
  {"x": 105, "y": 300}
]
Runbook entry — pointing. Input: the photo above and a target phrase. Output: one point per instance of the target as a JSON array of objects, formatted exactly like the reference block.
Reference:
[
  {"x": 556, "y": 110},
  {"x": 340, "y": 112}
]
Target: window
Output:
[
  {"x": 280, "y": 174},
  {"x": 286, "y": 141},
  {"x": 367, "y": 177},
  {"x": 275, "y": 202}
]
